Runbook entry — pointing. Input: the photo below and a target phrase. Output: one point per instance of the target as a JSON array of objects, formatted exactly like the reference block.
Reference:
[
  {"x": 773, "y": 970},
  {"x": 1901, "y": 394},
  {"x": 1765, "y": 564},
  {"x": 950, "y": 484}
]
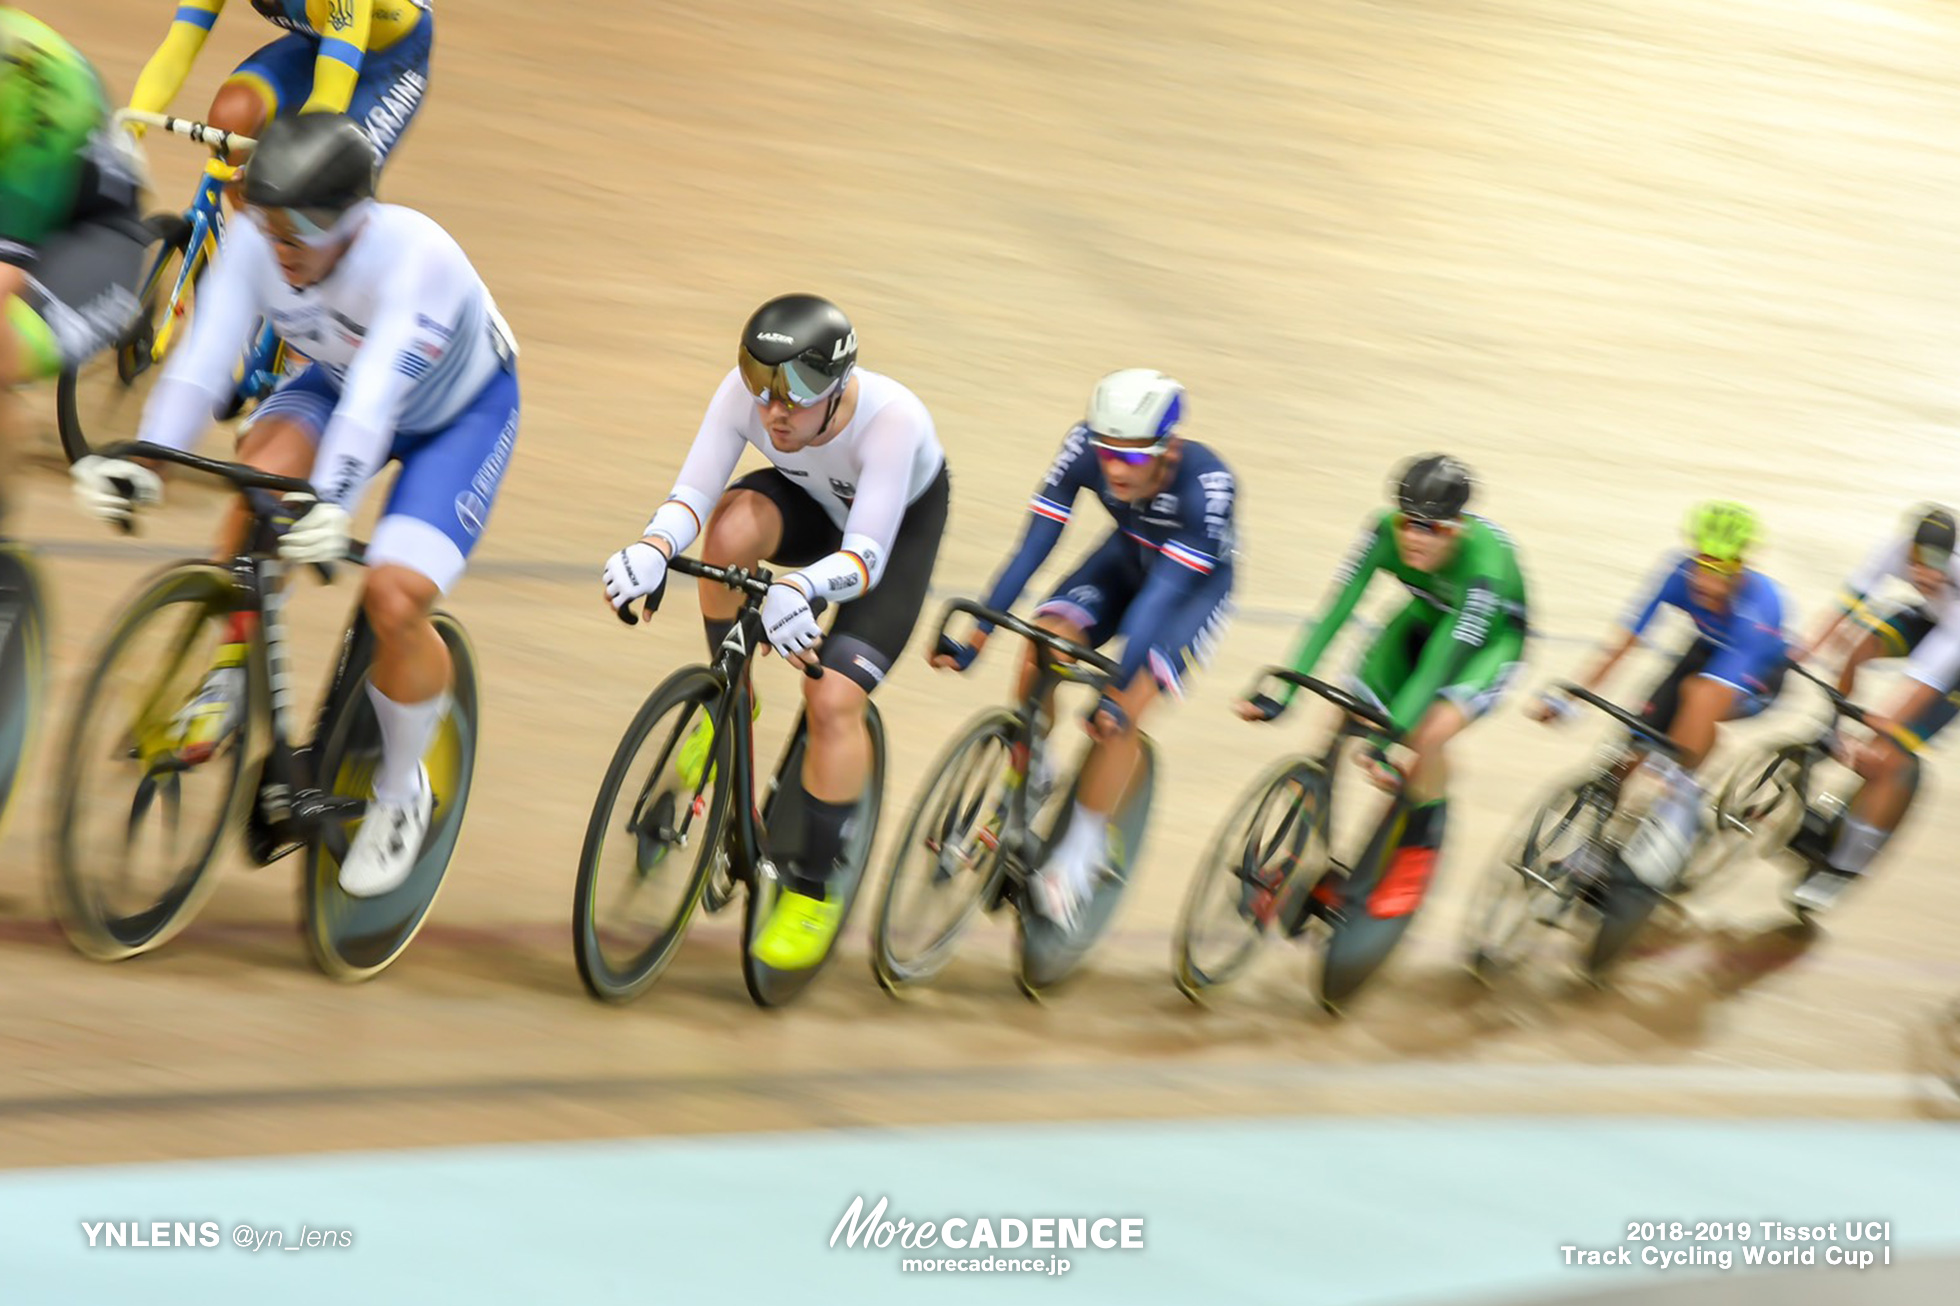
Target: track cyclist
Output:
[
  {"x": 1733, "y": 669},
  {"x": 411, "y": 362},
  {"x": 1442, "y": 662},
  {"x": 368, "y": 59},
  {"x": 1927, "y": 631},
  {"x": 1161, "y": 581},
  {"x": 71, "y": 230},
  {"x": 855, "y": 500}
]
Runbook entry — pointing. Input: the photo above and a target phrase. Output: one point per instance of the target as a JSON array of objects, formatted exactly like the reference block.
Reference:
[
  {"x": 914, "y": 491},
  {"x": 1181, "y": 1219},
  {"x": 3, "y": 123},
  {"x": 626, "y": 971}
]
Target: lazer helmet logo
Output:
[
  {"x": 847, "y": 346},
  {"x": 774, "y": 338}
]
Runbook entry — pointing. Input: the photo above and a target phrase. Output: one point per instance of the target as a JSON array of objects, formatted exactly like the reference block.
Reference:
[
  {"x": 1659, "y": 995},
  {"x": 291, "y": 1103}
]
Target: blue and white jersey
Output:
[
  {"x": 403, "y": 326},
  {"x": 1189, "y": 525},
  {"x": 1748, "y": 637}
]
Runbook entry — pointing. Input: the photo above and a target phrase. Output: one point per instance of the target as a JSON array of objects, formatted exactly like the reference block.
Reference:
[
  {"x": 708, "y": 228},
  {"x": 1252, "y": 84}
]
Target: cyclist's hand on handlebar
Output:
[
  {"x": 320, "y": 535},
  {"x": 1374, "y": 763},
  {"x": 790, "y": 625},
  {"x": 637, "y": 571},
  {"x": 1550, "y": 707},
  {"x": 113, "y": 488},
  {"x": 1259, "y": 707},
  {"x": 957, "y": 655},
  {"x": 1107, "y": 721}
]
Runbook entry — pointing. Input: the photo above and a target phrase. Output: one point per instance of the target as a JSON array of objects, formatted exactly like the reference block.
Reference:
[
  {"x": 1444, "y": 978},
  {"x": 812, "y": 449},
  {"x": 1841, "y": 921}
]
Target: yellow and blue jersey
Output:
[{"x": 343, "y": 34}]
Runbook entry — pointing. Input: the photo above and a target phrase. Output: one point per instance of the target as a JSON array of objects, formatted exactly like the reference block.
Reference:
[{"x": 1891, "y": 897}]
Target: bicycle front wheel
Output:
[
  {"x": 1526, "y": 886},
  {"x": 23, "y": 664},
  {"x": 1271, "y": 840},
  {"x": 655, "y": 830},
  {"x": 1760, "y": 808},
  {"x": 948, "y": 857},
  {"x": 136, "y": 822}
]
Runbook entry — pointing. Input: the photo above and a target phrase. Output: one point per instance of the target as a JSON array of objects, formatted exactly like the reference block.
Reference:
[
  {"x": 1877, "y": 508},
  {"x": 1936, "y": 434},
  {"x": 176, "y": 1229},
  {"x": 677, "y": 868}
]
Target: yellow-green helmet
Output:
[{"x": 1722, "y": 530}]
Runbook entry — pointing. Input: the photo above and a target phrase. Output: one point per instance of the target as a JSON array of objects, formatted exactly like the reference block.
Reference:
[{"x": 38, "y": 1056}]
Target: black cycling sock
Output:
[
  {"x": 806, "y": 838},
  {"x": 1425, "y": 827},
  {"x": 826, "y": 827},
  {"x": 717, "y": 632}
]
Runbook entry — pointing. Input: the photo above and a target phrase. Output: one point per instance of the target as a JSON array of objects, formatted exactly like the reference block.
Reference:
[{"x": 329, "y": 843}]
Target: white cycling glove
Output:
[
  {"x": 319, "y": 536},
  {"x": 634, "y": 572},
  {"x": 95, "y": 480},
  {"x": 787, "y": 619}
]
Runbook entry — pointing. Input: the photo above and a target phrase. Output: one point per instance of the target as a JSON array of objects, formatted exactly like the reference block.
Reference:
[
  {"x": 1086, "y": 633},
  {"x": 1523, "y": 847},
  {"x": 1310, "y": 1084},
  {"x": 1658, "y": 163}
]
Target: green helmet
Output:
[{"x": 1722, "y": 530}]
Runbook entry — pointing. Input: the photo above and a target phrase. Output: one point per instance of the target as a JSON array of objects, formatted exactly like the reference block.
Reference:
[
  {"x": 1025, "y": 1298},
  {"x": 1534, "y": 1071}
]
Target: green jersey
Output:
[
  {"x": 1471, "y": 601},
  {"x": 51, "y": 103}
]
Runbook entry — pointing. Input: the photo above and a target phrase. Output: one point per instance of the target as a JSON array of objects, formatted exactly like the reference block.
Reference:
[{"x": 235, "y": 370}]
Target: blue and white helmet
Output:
[{"x": 1137, "y": 403}]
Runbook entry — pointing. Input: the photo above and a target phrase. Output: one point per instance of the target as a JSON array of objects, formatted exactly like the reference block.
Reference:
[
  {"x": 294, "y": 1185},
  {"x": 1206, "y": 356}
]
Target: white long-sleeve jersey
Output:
[
  {"x": 864, "y": 477},
  {"x": 403, "y": 324}
]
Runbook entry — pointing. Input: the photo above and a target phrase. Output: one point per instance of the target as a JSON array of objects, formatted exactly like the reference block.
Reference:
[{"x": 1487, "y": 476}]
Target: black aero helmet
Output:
[
  {"x": 1933, "y": 535},
  {"x": 1434, "y": 487},
  {"x": 798, "y": 348},
  {"x": 318, "y": 164}
]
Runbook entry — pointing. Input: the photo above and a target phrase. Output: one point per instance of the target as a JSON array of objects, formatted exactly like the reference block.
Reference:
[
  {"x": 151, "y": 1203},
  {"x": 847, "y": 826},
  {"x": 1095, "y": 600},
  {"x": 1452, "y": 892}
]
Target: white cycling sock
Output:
[
  {"x": 1857, "y": 843},
  {"x": 406, "y": 729},
  {"x": 1082, "y": 847}
]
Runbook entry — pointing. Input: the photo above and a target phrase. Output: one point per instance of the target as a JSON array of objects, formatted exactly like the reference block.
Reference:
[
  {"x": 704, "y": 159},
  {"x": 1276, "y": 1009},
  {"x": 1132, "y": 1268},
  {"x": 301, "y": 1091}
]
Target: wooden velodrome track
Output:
[{"x": 1616, "y": 255}]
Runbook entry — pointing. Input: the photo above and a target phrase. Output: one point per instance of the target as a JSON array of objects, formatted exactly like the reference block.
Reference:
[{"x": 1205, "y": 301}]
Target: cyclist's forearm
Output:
[
  {"x": 1037, "y": 542},
  {"x": 179, "y": 411},
  {"x": 1608, "y": 658},
  {"x": 1829, "y": 627},
  {"x": 342, "y": 51}
]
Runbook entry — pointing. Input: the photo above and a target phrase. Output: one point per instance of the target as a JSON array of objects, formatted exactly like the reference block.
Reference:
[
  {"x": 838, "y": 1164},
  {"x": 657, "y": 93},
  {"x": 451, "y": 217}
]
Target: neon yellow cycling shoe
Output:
[
  {"x": 216, "y": 710},
  {"x": 799, "y": 932},
  {"x": 699, "y": 746}
]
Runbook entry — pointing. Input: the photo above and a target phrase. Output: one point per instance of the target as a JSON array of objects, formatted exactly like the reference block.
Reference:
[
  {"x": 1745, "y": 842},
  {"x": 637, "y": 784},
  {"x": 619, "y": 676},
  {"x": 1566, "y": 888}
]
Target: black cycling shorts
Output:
[{"x": 872, "y": 630}]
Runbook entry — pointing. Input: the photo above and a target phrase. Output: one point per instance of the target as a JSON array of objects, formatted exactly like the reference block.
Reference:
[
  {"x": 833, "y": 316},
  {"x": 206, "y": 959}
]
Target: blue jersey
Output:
[
  {"x": 1748, "y": 637},
  {"x": 1176, "y": 550}
]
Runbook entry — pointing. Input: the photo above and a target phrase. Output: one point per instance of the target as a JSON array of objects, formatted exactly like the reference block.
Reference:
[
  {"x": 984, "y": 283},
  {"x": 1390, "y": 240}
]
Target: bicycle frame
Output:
[
  {"x": 206, "y": 215},
  {"x": 290, "y": 795},
  {"x": 742, "y": 836},
  {"x": 1017, "y": 839},
  {"x": 1358, "y": 718}
]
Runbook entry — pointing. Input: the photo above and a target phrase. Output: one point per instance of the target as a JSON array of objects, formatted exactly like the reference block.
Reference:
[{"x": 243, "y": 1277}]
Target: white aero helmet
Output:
[{"x": 1137, "y": 403}]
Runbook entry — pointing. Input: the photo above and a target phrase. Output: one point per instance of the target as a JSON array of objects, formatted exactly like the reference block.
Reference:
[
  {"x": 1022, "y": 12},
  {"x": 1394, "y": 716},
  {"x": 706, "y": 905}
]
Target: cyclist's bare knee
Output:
[
  {"x": 398, "y": 601},
  {"x": 278, "y": 445},
  {"x": 836, "y": 705},
  {"x": 744, "y": 528},
  {"x": 238, "y": 107}
]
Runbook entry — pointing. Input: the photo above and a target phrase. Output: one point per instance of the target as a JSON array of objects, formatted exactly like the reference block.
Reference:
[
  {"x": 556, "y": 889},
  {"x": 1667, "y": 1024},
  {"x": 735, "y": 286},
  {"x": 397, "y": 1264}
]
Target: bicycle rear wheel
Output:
[
  {"x": 135, "y": 826},
  {"x": 1048, "y": 955},
  {"x": 637, "y": 889},
  {"x": 1760, "y": 808},
  {"x": 353, "y": 938},
  {"x": 947, "y": 860},
  {"x": 23, "y": 664},
  {"x": 1526, "y": 885},
  {"x": 1270, "y": 841},
  {"x": 99, "y": 400}
]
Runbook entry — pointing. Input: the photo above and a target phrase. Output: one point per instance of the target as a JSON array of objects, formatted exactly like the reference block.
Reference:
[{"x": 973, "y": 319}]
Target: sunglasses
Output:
[
  {"x": 796, "y": 384},
  {"x": 1422, "y": 526},
  {"x": 1927, "y": 556},
  {"x": 1719, "y": 566},
  {"x": 1129, "y": 455},
  {"x": 300, "y": 228}
]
